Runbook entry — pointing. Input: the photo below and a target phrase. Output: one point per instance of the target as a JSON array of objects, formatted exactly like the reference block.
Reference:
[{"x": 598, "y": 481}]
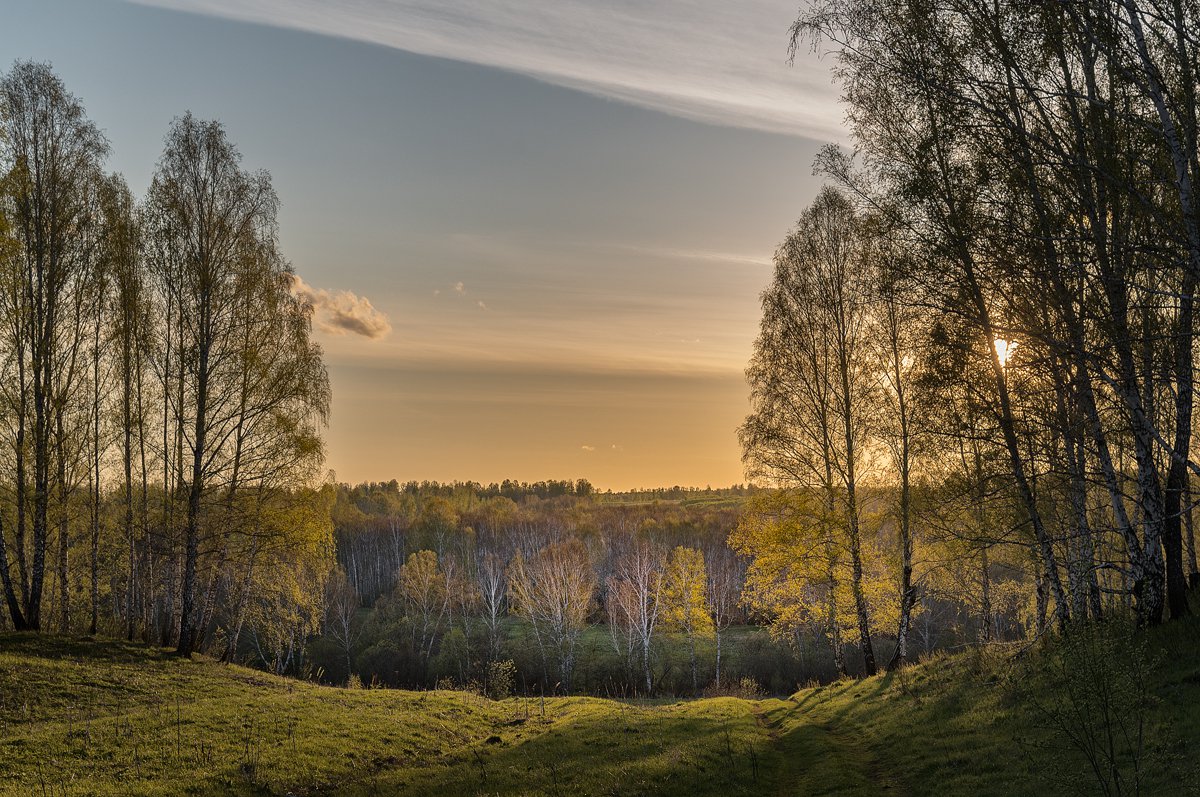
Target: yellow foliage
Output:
[
  {"x": 798, "y": 555},
  {"x": 684, "y": 597},
  {"x": 421, "y": 581}
]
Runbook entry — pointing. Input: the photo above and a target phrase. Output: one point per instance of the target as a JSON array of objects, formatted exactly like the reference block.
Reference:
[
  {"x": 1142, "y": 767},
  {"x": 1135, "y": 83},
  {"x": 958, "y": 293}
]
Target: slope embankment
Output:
[{"x": 97, "y": 717}]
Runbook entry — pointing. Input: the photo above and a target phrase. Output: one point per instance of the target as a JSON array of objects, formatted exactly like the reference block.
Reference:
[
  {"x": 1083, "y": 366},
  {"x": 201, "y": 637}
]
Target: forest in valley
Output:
[
  {"x": 554, "y": 587},
  {"x": 971, "y": 420}
]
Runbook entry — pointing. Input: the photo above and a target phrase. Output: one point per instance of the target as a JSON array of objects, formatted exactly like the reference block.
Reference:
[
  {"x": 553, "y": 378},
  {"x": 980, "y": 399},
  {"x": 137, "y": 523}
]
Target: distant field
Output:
[{"x": 82, "y": 717}]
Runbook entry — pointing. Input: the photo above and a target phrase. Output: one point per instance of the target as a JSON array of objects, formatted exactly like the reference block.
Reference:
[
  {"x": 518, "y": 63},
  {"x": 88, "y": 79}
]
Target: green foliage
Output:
[
  {"x": 797, "y": 554},
  {"x": 453, "y": 657}
]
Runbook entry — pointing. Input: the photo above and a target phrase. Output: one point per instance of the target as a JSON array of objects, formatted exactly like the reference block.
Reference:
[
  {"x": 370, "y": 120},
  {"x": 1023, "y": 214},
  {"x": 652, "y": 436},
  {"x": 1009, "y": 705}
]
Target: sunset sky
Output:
[{"x": 535, "y": 230}]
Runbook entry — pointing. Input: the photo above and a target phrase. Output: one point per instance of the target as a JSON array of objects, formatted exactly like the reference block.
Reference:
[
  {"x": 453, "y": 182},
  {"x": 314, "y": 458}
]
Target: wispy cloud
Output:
[
  {"x": 343, "y": 312},
  {"x": 709, "y": 60},
  {"x": 733, "y": 258},
  {"x": 588, "y": 448}
]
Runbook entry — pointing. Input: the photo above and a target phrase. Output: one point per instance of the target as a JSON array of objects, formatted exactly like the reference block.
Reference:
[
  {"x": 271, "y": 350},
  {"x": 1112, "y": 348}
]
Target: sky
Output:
[{"x": 535, "y": 231}]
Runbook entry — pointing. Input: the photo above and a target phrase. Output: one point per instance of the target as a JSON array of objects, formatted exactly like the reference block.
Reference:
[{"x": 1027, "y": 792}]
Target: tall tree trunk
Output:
[
  {"x": 64, "y": 529},
  {"x": 718, "y": 669},
  {"x": 187, "y": 623},
  {"x": 41, "y": 491},
  {"x": 1177, "y": 472},
  {"x": 21, "y": 476},
  {"x": 985, "y": 603},
  {"x": 10, "y": 595},
  {"x": 1190, "y": 537},
  {"x": 127, "y": 465},
  {"x": 95, "y": 492},
  {"x": 692, "y": 660},
  {"x": 852, "y": 523},
  {"x": 984, "y": 534},
  {"x": 908, "y": 591}
]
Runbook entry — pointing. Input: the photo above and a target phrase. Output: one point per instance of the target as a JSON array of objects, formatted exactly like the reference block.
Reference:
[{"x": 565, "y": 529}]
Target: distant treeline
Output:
[{"x": 363, "y": 493}]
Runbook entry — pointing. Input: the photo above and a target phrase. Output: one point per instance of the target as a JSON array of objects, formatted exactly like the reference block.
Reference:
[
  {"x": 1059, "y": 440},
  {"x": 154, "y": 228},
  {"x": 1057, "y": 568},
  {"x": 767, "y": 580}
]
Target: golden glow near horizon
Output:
[{"x": 637, "y": 383}]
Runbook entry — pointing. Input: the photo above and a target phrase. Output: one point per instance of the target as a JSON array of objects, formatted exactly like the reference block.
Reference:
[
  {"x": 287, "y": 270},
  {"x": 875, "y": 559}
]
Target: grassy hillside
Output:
[{"x": 82, "y": 717}]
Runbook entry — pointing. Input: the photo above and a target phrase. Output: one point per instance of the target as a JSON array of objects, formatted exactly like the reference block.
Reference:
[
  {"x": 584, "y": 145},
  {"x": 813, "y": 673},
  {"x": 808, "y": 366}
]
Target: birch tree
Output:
[
  {"x": 51, "y": 156},
  {"x": 553, "y": 588}
]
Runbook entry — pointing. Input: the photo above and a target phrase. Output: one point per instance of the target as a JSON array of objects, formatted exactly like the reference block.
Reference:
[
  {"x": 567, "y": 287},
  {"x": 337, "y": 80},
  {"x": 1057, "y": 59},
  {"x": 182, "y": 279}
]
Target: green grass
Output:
[{"x": 81, "y": 717}]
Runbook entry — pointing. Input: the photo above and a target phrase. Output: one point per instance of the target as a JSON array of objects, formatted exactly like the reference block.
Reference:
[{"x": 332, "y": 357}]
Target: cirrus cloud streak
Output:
[{"x": 708, "y": 60}]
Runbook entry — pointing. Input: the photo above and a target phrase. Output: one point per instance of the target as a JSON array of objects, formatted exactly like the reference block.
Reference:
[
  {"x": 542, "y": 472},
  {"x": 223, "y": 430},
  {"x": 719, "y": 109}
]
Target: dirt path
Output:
[{"x": 812, "y": 755}]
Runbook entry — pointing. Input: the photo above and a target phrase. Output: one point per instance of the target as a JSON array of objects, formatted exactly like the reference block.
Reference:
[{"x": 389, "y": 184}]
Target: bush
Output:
[
  {"x": 452, "y": 657},
  {"x": 745, "y": 688},
  {"x": 388, "y": 663},
  {"x": 1097, "y": 679},
  {"x": 499, "y": 678},
  {"x": 327, "y": 659}
]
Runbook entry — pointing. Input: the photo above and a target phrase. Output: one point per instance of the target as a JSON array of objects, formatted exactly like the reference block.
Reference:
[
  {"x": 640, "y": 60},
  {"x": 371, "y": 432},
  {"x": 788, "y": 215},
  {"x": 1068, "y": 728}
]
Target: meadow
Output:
[{"x": 82, "y": 716}]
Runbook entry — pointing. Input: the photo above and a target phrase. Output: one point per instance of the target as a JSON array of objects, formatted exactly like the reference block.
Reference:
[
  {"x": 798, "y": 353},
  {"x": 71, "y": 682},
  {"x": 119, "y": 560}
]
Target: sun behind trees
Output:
[
  {"x": 162, "y": 399},
  {"x": 975, "y": 374},
  {"x": 1078, "y": 237}
]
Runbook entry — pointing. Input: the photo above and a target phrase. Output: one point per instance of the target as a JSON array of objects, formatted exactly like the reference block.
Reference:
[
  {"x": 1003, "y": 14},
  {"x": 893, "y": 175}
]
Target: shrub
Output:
[
  {"x": 499, "y": 679},
  {"x": 1095, "y": 697},
  {"x": 388, "y": 663},
  {"x": 745, "y": 688},
  {"x": 452, "y": 656}
]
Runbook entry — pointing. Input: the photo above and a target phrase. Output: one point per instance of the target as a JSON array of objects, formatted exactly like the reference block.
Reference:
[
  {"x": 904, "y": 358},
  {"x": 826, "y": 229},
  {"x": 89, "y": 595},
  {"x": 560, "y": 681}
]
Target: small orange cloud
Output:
[{"x": 342, "y": 312}]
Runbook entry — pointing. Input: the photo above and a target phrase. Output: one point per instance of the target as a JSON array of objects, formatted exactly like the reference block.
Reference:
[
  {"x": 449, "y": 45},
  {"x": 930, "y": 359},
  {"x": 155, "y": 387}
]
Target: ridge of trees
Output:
[{"x": 371, "y": 496}]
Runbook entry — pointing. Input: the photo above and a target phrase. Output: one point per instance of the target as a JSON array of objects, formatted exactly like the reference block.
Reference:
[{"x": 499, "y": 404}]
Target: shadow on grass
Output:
[
  {"x": 736, "y": 748},
  {"x": 633, "y": 752},
  {"x": 93, "y": 649}
]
